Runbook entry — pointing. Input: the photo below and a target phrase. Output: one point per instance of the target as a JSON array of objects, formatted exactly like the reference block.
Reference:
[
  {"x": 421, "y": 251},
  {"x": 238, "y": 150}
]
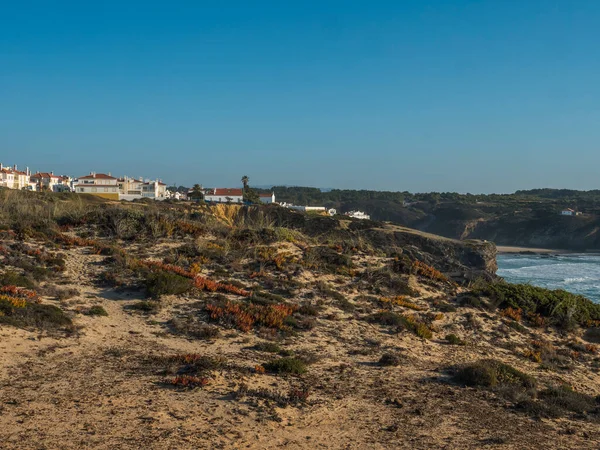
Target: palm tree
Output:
[
  {"x": 197, "y": 192},
  {"x": 245, "y": 181}
]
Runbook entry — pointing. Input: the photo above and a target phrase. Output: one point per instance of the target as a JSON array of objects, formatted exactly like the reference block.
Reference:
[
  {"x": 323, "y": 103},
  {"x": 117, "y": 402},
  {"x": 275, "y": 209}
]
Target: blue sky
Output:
[{"x": 467, "y": 96}]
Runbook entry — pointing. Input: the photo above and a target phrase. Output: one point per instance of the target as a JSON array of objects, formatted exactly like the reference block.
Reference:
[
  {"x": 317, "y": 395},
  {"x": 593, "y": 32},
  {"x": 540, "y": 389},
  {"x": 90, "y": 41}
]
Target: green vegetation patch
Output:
[
  {"x": 563, "y": 308},
  {"x": 166, "y": 283},
  {"x": 96, "y": 311},
  {"x": 490, "y": 373},
  {"x": 289, "y": 365},
  {"x": 34, "y": 315}
]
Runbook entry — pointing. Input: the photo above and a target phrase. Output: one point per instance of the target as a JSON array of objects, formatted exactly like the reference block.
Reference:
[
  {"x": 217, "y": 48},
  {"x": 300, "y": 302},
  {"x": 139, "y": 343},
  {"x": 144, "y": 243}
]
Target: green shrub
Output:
[
  {"x": 490, "y": 373},
  {"x": 445, "y": 307},
  {"x": 290, "y": 365},
  {"x": 388, "y": 318},
  {"x": 309, "y": 310},
  {"x": 34, "y": 315},
  {"x": 10, "y": 277},
  {"x": 470, "y": 300},
  {"x": 327, "y": 259},
  {"x": 345, "y": 305},
  {"x": 166, "y": 283},
  {"x": 559, "y": 401},
  {"x": 389, "y": 359},
  {"x": 454, "y": 340},
  {"x": 422, "y": 330},
  {"x": 96, "y": 311},
  {"x": 265, "y": 298},
  {"x": 565, "y": 398},
  {"x": 563, "y": 308},
  {"x": 270, "y": 347}
]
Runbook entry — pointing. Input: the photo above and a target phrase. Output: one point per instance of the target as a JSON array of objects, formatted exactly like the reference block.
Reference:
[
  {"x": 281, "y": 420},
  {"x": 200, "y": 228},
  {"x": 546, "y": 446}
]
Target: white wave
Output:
[{"x": 576, "y": 280}]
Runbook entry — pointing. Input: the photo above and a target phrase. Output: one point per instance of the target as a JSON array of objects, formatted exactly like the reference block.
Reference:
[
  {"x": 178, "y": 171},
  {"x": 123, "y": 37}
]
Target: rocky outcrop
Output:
[{"x": 462, "y": 260}]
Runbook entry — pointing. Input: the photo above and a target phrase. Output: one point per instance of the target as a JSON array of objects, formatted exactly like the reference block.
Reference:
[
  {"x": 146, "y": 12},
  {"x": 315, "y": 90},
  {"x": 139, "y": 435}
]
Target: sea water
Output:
[{"x": 579, "y": 274}]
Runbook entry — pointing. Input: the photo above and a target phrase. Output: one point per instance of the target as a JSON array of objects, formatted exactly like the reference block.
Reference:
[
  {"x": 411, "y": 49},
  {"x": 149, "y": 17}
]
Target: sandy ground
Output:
[{"x": 91, "y": 391}]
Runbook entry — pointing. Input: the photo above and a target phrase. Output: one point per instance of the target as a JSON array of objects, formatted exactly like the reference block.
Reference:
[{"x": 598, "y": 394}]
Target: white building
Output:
[
  {"x": 175, "y": 195},
  {"x": 358, "y": 215},
  {"x": 267, "y": 198},
  {"x": 14, "y": 179},
  {"x": 156, "y": 190},
  {"x": 47, "y": 181},
  {"x": 98, "y": 184},
  {"x": 224, "y": 195},
  {"x": 132, "y": 189}
]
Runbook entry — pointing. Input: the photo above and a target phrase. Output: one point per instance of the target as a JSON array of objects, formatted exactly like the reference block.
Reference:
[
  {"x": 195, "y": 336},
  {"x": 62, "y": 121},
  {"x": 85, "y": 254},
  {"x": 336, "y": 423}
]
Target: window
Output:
[
  {"x": 105, "y": 189},
  {"x": 94, "y": 189}
]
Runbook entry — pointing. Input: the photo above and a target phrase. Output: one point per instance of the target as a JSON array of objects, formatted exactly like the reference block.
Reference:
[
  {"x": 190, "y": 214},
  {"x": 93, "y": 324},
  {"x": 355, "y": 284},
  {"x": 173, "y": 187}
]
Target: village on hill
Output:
[{"x": 128, "y": 188}]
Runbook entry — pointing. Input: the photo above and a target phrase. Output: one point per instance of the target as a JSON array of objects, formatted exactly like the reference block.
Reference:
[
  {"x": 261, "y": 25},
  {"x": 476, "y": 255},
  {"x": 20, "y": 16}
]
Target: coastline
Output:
[{"x": 507, "y": 249}]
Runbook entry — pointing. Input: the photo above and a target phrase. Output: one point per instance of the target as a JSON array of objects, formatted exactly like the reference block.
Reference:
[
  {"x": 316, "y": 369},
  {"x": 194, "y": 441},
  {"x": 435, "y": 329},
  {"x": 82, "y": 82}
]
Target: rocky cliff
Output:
[{"x": 462, "y": 260}]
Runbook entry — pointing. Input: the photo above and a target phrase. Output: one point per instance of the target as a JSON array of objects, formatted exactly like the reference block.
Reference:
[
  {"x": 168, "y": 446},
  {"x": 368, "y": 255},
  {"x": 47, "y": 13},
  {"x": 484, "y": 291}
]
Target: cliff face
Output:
[
  {"x": 531, "y": 225},
  {"x": 548, "y": 231},
  {"x": 461, "y": 260}
]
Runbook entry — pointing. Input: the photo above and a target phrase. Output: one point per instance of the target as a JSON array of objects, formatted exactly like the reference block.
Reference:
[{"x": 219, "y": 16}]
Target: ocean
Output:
[{"x": 579, "y": 274}]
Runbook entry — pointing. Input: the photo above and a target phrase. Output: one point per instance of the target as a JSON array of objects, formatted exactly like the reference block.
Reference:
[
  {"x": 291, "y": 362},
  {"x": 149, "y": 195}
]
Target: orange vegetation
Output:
[
  {"x": 513, "y": 313},
  {"x": 245, "y": 316}
]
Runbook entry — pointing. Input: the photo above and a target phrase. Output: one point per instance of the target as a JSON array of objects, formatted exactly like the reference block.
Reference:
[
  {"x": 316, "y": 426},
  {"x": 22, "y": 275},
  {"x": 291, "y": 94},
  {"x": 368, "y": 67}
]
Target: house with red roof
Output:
[
  {"x": 14, "y": 179},
  {"x": 99, "y": 184},
  {"x": 224, "y": 195},
  {"x": 46, "y": 181}
]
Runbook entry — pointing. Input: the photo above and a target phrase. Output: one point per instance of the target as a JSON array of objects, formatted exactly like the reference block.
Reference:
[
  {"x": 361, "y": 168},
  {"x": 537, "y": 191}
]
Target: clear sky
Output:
[{"x": 438, "y": 95}]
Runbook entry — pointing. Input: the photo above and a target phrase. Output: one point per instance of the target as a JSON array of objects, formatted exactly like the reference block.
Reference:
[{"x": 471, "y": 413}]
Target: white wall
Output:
[{"x": 223, "y": 198}]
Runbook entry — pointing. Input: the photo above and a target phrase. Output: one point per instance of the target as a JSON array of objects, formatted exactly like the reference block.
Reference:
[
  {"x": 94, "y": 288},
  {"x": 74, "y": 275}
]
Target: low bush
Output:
[
  {"x": 565, "y": 398},
  {"x": 454, "y": 340},
  {"x": 309, "y": 310},
  {"x": 10, "y": 277},
  {"x": 401, "y": 322},
  {"x": 560, "y": 401},
  {"x": 389, "y": 359},
  {"x": 562, "y": 308},
  {"x": 35, "y": 315},
  {"x": 166, "y": 283},
  {"x": 388, "y": 318},
  {"x": 96, "y": 311},
  {"x": 286, "y": 365},
  {"x": 270, "y": 347},
  {"x": 189, "y": 381},
  {"x": 491, "y": 373}
]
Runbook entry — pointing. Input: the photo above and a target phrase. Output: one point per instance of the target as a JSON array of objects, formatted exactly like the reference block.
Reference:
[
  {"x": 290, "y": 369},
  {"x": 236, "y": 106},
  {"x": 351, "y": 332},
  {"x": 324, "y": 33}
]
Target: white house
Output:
[
  {"x": 267, "y": 198},
  {"x": 358, "y": 215},
  {"x": 156, "y": 190},
  {"x": 47, "y": 181},
  {"x": 132, "y": 189},
  {"x": 99, "y": 184},
  {"x": 224, "y": 195},
  {"x": 13, "y": 178}
]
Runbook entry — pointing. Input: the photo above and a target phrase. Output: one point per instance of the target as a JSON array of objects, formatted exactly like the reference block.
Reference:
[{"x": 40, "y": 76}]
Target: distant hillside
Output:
[{"x": 525, "y": 218}]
